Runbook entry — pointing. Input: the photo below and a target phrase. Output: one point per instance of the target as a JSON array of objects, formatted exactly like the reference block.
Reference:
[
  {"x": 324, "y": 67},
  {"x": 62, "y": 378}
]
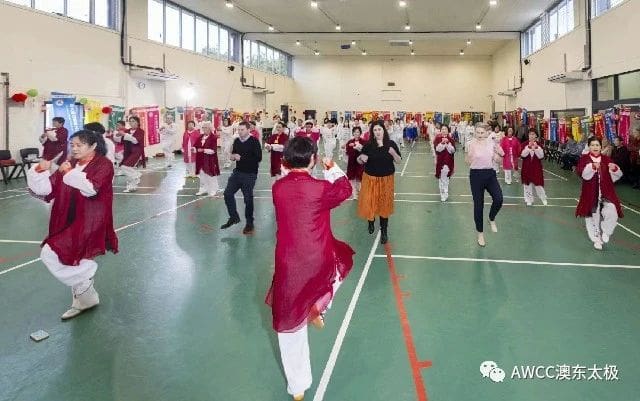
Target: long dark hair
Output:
[
  {"x": 372, "y": 139},
  {"x": 91, "y": 137}
]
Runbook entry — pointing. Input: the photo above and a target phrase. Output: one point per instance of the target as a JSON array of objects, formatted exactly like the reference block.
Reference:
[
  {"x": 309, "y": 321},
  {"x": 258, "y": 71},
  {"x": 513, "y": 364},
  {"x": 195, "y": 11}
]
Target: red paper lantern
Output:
[
  {"x": 106, "y": 110},
  {"x": 19, "y": 97}
]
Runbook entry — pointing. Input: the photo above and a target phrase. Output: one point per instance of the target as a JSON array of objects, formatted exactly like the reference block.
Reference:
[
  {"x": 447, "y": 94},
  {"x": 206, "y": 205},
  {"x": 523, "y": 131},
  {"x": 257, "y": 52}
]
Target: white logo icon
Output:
[{"x": 491, "y": 370}]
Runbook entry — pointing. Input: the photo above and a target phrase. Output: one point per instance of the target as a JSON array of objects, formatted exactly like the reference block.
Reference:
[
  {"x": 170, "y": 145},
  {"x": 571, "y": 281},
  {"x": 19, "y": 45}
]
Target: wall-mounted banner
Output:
[{"x": 64, "y": 105}]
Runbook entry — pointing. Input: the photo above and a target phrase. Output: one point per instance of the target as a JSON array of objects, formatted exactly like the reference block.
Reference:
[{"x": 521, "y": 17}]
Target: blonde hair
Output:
[{"x": 206, "y": 124}]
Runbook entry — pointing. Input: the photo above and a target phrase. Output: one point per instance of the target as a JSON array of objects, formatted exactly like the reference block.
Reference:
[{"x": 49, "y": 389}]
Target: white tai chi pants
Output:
[
  {"x": 508, "y": 176},
  {"x": 227, "y": 145},
  {"x": 167, "y": 145},
  {"x": 443, "y": 182},
  {"x": 603, "y": 221},
  {"x": 355, "y": 188},
  {"x": 132, "y": 176},
  {"x": 208, "y": 183},
  {"x": 296, "y": 360},
  {"x": 329, "y": 147},
  {"x": 77, "y": 277},
  {"x": 528, "y": 193}
]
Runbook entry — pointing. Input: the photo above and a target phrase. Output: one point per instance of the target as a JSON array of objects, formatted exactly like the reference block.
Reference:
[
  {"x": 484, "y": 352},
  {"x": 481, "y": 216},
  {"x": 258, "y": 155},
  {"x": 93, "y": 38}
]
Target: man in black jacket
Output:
[{"x": 247, "y": 154}]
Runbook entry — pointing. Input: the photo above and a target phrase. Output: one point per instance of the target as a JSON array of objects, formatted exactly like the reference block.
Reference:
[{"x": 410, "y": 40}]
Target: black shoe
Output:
[
  {"x": 372, "y": 227},
  {"x": 230, "y": 222},
  {"x": 383, "y": 238},
  {"x": 248, "y": 229}
]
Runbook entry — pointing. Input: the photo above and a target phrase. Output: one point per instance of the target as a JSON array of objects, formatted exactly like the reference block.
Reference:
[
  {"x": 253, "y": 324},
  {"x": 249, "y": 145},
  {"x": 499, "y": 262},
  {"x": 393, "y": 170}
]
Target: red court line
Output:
[{"x": 416, "y": 365}]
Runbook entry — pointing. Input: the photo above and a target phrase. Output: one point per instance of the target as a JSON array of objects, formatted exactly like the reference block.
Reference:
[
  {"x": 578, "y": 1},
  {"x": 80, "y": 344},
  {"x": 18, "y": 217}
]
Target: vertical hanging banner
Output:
[
  {"x": 149, "y": 122},
  {"x": 347, "y": 115},
  {"x": 386, "y": 115},
  {"x": 217, "y": 117},
  {"x": 587, "y": 127},
  {"x": 575, "y": 129},
  {"x": 438, "y": 118},
  {"x": 610, "y": 123},
  {"x": 401, "y": 115},
  {"x": 624, "y": 125},
  {"x": 64, "y": 105},
  {"x": 117, "y": 114},
  {"x": 92, "y": 112},
  {"x": 334, "y": 114},
  {"x": 553, "y": 129},
  {"x": 562, "y": 130}
]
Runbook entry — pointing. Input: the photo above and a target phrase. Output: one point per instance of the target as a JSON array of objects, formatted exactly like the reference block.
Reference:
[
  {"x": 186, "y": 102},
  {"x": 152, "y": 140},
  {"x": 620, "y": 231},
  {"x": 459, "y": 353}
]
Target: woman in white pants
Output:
[
  {"x": 168, "y": 133},
  {"x": 133, "y": 151},
  {"x": 227, "y": 141},
  {"x": 444, "y": 148},
  {"x": 599, "y": 203},
  {"x": 81, "y": 222},
  {"x": 207, "y": 167},
  {"x": 328, "y": 133}
]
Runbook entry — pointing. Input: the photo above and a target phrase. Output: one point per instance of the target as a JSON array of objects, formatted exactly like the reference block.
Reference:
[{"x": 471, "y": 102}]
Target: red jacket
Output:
[
  {"x": 133, "y": 152},
  {"x": 444, "y": 158},
  {"x": 532, "y": 168},
  {"x": 81, "y": 227},
  {"x": 589, "y": 193},
  {"x": 307, "y": 254},
  {"x": 276, "y": 157},
  {"x": 207, "y": 162},
  {"x": 50, "y": 149}
]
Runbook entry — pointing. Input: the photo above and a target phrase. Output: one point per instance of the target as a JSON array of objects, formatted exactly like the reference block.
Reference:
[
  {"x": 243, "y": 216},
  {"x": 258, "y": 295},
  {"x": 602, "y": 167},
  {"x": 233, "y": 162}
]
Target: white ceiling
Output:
[{"x": 370, "y": 16}]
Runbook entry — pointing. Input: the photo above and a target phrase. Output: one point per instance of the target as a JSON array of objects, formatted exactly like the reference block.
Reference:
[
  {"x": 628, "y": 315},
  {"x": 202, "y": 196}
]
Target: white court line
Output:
[
  {"x": 12, "y": 196},
  {"x": 509, "y": 261},
  {"x": 406, "y": 164},
  {"x": 11, "y": 241},
  {"x": 117, "y": 230},
  {"x": 466, "y": 177},
  {"x": 469, "y": 196},
  {"x": 630, "y": 208},
  {"x": 335, "y": 351},
  {"x": 629, "y": 230},
  {"x": 559, "y": 176},
  {"x": 471, "y": 203}
]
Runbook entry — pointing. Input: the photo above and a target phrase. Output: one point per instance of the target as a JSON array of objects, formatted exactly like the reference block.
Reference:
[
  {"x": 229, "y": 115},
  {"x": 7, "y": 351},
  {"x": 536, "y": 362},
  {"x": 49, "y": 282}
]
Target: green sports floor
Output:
[{"x": 182, "y": 314}]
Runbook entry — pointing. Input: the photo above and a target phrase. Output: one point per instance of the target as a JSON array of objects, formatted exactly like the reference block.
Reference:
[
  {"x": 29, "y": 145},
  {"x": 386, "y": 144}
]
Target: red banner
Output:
[{"x": 149, "y": 122}]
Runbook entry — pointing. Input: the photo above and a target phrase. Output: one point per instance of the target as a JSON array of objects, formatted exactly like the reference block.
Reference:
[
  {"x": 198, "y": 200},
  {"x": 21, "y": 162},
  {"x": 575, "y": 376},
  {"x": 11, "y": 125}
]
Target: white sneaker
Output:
[
  {"x": 529, "y": 204},
  {"x": 481, "y": 241},
  {"x": 493, "y": 225},
  {"x": 544, "y": 202},
  {"x": 605, "y": 238},
  {"x": 200, "y": 193},
  {"x": 598, "y": 245},
  {"x": 82, "y": 302}
]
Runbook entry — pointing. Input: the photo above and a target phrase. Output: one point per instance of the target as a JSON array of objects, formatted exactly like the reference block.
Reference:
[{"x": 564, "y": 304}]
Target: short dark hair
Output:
[
  {"x": 299, "y": 151},
  {"x": 245, "y": 124},
  {"x": 533, "y": 131},
  {"x": 136, "y": 118},
  {"x": 121, "y": 122},
  {"x": 354, "y": 129},
  {"x": 594, "y": 138},
  {"x": 95, "y": 127},
  {"x": 58, "y": 120},
  {"x": 92, "y": 137}
]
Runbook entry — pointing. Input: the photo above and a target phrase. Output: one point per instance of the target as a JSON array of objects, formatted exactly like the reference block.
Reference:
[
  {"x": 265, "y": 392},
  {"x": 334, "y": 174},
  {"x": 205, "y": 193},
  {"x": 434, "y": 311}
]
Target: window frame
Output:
[
  {"x": 544, "y": 21},
  {"x": 112, "y": 13}
]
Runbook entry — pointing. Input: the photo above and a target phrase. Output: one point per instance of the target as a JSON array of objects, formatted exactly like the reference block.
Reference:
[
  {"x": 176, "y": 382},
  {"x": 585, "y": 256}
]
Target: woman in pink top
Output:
[{"x": 482, "y": 176}]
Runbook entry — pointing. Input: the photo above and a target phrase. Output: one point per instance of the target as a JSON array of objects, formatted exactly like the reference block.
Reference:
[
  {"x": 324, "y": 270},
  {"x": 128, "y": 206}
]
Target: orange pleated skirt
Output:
[{"x": 376, "y": 196}]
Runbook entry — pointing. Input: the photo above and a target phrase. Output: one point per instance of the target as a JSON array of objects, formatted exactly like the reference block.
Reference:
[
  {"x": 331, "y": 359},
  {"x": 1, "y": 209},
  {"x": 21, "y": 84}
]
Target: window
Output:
[
  {"x": 213, "y": 39},
  {"x": 233, "y": 38},
  {"x": 553, "y": 23},
  {"x": 604, "y": 89},
  {"x": 201, "y": 35},
  {"x": 79, "y": 9},
  {"x": 50, "y": 6},
  {"x": 246, "y": 52},
  {"x": 629, "y": 85},
  {"x": 26, "y": 3},
  {"x": 102, "y": 14},
  {"x": 172, "y": 25},
  {"x": 599, "y": 7},
  {"x": 255, "y": 57},
  {"x": 155, "y": 19},
  {"x": 187, "y": 29},
  {"x": 270, "y": 60},
  {"x": 224, "y": 43}
]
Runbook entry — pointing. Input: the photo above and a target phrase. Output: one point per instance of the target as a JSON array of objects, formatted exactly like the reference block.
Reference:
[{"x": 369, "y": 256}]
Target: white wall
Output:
[
  {"x": 449, "y": 84},
  {"x": 60, "y": 54},
  {"x": 537, "y": 93},
  {"x": 614, "y": 36}
]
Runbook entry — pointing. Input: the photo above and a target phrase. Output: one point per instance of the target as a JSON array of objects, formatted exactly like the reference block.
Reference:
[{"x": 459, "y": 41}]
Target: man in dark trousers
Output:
[{"x": 247, "y": 154}]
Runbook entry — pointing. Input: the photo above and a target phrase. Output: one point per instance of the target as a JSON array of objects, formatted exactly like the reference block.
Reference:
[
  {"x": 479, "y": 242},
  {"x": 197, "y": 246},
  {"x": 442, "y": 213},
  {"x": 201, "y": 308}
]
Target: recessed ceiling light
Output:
[
  {"x": 478, "y": 26},
  {"x": 461, "y": 52},
  {"x": 297, "y": 43},
  {"x": 468, "y": 41},
  {"x": 314, "y": 4},
  {"x": 271, "y": 28},
  {"x": 338, "y": 27},
  {"x": 413, "y": 53},
  {"x": 317, "y": 53},
  {"x": 228, "y": 3},
  {"x": 402, "y": 3},
  {"x": 353, "y": 43},
  {"x": 493, "y": 3},
  {"x": 407, "y": 27},
  {"x": 410, "y": 42},
  {"x": 364, "y": 52}
]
